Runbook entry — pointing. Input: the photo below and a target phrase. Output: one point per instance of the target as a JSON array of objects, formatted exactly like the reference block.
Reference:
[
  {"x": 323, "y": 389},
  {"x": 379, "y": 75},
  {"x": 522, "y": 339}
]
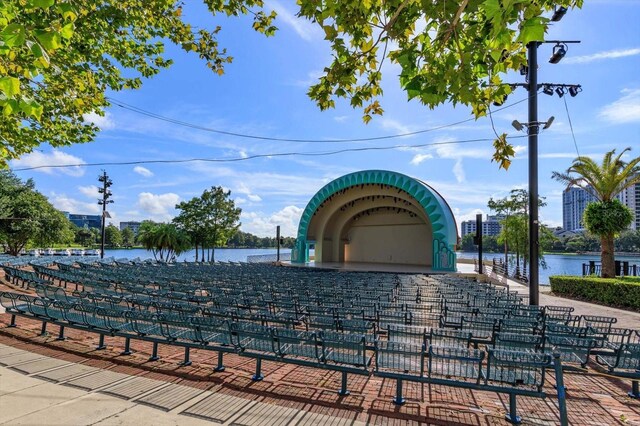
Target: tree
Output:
[
  {"x": 210, "y": 219},
  {"x": 57, "y": 59},
  {"x": 83, "y": 236},
  {"x": 448, "y": 51},
  {"x": 128, "y": 237},
  {"x": 112, "y": 236},
  {"x": 606, "y": 217},
  {"x": 28, "y": 217},
  {"x": 164, "y": 240},
  {"x": 191, "y": 220}
]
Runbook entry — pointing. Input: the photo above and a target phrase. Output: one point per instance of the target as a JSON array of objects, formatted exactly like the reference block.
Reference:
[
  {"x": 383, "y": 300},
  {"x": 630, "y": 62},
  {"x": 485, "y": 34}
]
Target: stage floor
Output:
[{"x": 462, "y": 268}]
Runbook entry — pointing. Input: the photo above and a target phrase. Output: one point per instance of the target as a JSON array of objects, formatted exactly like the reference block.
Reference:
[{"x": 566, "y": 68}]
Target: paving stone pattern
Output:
[{"x": 289, "y": 395}]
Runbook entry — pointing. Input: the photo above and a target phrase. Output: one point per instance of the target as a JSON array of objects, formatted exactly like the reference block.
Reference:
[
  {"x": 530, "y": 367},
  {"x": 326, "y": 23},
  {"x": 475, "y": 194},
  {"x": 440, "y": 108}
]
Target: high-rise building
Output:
[
  {"x": 134, "y": 226},
  {"x": 574, "y": 201},
  {"x": 490, "y": 226}
]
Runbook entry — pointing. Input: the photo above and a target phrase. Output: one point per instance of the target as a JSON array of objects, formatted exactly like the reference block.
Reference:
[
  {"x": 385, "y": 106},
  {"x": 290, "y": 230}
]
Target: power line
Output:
[
  {"x": 575, "y": 143},
  {"x": 252, "y": 157},
  {"x": 268, "y": 138}
]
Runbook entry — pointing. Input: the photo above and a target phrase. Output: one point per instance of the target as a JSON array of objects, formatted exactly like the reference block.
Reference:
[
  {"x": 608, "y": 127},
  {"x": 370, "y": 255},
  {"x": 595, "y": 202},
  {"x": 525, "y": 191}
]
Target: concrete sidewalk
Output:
[{"x": 37, "y": 390}]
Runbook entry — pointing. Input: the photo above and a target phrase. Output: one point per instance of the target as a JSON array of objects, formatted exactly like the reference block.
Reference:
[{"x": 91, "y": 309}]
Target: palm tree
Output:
[
  {"x": 608, "y": 216},
  {"x": 164, "y": 240}
]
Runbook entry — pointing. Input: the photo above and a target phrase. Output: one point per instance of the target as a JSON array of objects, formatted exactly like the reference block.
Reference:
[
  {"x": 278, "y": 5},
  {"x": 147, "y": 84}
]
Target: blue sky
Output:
[{"x": 264, "y": 93}]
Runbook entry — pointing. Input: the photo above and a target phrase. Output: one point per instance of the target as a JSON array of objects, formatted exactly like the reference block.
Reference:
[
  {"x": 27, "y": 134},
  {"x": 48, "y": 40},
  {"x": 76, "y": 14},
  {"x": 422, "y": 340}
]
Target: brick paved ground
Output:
[{"x": 591, "y": 400}]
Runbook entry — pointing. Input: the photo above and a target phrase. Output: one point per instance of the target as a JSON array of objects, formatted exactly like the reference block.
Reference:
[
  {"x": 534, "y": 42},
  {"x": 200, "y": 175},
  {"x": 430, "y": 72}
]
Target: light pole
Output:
[
  {"x": 533, "y": 128},
  {"x": 106, "y": 194}
]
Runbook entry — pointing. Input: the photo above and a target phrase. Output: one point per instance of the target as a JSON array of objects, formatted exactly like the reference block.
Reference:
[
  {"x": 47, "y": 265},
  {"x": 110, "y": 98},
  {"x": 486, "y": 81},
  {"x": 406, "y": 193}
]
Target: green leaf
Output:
[
  {"x": 67, "y": 30},
  {"x": 43, "y": 4},
  {"x": 50, "y": 40},
  {"x": 10, "y": 86},
  {"x": 13, "y": 35},
  {"x": 532, "y": 30},
  {"x": 68, "y": 11}
]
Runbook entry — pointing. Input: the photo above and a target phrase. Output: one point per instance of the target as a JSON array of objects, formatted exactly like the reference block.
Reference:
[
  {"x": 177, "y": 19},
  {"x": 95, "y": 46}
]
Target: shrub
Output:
[{"x": 607, "y": 291}]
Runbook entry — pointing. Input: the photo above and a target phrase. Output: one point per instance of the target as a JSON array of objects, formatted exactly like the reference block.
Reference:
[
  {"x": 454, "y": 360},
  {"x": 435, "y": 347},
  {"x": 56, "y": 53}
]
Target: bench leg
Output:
[
  {"x": 635, "y": 389},
  {"x": 562, "y": 390},
  {"x": 43, "y": 330},
  {"x": 399, "y": 400},
  {"x": 101, "y": 344},
  {"x": 154, "y": 353},
  {"x": 61, "y": 333},
  {"x": 343, "y": 386},
  {"x": 258, "y": 376},
  {"x": 220, "y": 366},
  {"x": 127, "y": 347},
  {"x": 186, "y": 362},
  {"x": 13, "y": 321},
  {"x": 512, "y": 415}
]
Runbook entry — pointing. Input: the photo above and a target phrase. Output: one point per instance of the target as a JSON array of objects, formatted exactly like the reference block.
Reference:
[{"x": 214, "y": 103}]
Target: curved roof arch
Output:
[{"x": 437, "y": 209}]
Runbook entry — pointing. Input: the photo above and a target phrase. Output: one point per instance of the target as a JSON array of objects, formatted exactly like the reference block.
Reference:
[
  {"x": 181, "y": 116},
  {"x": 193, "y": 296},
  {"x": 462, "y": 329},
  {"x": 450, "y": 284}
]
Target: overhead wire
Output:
[
  {"x": 154, "y": 115},
  {"x": 255, "y": 156},
  {"x": 575, "y": 143}
]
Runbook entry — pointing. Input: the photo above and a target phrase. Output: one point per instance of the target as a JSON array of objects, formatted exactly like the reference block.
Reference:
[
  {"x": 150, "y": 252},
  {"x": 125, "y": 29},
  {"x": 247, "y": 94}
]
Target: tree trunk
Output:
[{"x": 607, "y": 257}]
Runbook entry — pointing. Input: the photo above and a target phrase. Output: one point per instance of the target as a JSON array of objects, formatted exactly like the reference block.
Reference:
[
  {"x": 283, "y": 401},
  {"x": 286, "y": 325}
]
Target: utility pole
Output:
[
  {"x": 106, "y": 194},
  {"x": 278, "y": 242},
  {"x": 478, "y": 241},
  {"x": 533, "y": 128}
]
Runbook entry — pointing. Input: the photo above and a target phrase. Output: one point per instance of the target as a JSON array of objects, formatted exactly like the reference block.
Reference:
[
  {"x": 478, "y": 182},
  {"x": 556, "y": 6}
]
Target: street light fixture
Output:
[
  {"x": 547, "y": 90},
  {"x": 558, "y": 13},
  {"x": 574, "y": 90},
  {"x": 559, "y": 50},
  {"x": 560, "y": 91}
]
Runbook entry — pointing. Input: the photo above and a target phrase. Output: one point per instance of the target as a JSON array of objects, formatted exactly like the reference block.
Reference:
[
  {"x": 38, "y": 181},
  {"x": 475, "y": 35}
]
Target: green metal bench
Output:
[
  {"x": 625, "y": 363},
  {"x": 512, "y": 372}
]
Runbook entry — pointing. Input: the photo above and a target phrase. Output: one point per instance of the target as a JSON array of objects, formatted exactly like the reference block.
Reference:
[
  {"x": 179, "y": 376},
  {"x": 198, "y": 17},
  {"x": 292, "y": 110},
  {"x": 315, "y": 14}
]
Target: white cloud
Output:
[
  {"x": 158, "y": 207},
  {"x": 395, "y": 126},
  {"x": 243, "y": 153},
  {"x": 90, "y": 191},
  {"x": 65, "y": 203},
  {"x": 305, "y": 29},
  {"x": 254, "y": 198},
  {"x": 44, "y": 161},
  {"x": 103, "y": 122},
  {"x": 468, "y": 215},
  {"x": 601, "y": 56},
  {"x": 262, "y": 225},
  {"x": 419, "y": 158},
  {"x": 458, "y": 171},
  {"x": 341, "y": 118},
  {"x": 624, "y": 110},
  {"x": 143, "y": 171}
]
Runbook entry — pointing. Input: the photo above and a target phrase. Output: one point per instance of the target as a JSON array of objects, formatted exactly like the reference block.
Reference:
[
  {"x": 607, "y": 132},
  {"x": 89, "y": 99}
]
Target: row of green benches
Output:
[{"x": 510, "y": 372}]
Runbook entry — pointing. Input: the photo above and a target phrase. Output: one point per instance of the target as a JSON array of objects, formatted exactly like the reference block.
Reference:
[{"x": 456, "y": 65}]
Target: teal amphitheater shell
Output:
[{"x": 440, "y": 216}]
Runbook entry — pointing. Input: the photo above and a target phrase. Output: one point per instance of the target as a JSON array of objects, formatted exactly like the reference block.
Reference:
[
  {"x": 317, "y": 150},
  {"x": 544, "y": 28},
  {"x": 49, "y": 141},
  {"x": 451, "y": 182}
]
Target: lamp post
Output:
[
  {"x": 533, "y": 128},
  {"x": 106, "y": 194}
]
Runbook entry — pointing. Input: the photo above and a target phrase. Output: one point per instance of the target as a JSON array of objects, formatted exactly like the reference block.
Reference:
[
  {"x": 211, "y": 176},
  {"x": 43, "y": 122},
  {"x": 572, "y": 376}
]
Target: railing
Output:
[
  {"x": 622, "y": 268},
  {"x": 499, "y": 267},
  {"x": 269, "y": 258}
]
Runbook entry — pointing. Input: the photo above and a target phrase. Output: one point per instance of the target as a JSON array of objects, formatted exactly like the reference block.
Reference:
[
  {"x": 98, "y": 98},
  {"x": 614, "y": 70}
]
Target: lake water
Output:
[{"x": 557, "y": 264}]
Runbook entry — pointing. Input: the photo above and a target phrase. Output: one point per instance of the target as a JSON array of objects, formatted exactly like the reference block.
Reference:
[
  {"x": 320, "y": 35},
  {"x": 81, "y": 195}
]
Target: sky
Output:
[{"x": 263, "y": 92}]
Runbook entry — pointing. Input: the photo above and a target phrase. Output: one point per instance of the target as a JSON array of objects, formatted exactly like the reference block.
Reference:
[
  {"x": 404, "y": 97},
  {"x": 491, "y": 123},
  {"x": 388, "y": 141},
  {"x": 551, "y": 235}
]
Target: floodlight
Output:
[
  {"x": 548, "y": 123},
  {"x": 560, "y": 91},
  {"x": 559, "y": 50},
  {"x": 558, "y": 13},
  {"x": 574, "y": 90},
  {"x": 517, "y": 125},
  {"x": 547, "y": 90}
]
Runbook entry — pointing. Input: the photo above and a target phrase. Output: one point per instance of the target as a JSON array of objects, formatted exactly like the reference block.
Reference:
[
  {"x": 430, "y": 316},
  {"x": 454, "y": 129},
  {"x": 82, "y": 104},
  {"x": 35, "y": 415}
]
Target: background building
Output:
[
  {"x": 82, "y": 220},
  {"x": 575, "y": 200},
  {"x": 134, "y": 226},
  {"x": 490, "y": 226}
]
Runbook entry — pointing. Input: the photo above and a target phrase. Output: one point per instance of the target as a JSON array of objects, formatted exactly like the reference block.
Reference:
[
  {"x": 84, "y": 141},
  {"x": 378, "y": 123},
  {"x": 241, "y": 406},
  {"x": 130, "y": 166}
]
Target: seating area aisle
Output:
[{"x": 368, "y": 347}]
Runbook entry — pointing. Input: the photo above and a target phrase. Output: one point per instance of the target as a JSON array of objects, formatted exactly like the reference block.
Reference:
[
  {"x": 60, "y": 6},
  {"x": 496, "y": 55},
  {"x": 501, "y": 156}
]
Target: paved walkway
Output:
[{"x": 31, "y": 394}]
